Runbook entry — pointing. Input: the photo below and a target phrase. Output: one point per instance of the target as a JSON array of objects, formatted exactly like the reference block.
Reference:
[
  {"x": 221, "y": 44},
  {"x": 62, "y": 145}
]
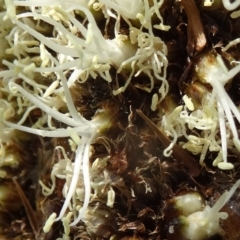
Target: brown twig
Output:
[
  {"x": 196, "y": 36},
  {"x": 28, "y": 208},
  {"x": 178, "y": 153}
]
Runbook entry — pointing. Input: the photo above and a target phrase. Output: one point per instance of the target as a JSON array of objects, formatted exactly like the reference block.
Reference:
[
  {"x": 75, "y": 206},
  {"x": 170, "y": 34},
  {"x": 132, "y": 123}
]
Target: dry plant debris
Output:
[{"x": 119, "y": 119}]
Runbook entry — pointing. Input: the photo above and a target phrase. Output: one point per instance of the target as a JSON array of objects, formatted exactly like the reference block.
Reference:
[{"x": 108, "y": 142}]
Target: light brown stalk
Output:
[{"x": 196, "y": 36}]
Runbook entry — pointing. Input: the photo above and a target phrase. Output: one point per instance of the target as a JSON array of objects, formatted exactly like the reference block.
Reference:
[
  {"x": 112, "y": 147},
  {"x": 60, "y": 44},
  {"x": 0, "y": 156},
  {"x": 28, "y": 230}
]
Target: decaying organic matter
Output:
[{"x": 119, "y": 119}]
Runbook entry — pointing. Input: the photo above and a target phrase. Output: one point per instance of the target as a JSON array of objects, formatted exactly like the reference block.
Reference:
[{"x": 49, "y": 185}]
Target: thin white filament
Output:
[
  {"x": 76, "y": 172},
  {"x": 54, "y": 23},
  {"x": 223, "y": 133},
  {"x": 60, "y": 132},
  {"x": 225, "y": 197},
  {"x": 35, "y": 3},
  {"x": 57, "y": 48},
  {"x": 219, "y": 88},
  {"x": 70, "y": 104},
  {"x": 86, "y": 178},
  {"x": 55, "y": 114}
]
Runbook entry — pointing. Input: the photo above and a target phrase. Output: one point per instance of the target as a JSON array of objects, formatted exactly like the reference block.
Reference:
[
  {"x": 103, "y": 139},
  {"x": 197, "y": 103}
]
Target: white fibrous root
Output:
[
  {"x": 137, "y": 9},
  {"x": 153, "y": 51},
  {"x": 212, "y": 124},
  {"x": 231, "y": 5},
  {"x": 92, "y": 55},
  {"x": 227, "y": 4},
  {"x": 200, "y": 221},
  {"x": 100, "y": 181},
  {"x": 48, "y": 41}
]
